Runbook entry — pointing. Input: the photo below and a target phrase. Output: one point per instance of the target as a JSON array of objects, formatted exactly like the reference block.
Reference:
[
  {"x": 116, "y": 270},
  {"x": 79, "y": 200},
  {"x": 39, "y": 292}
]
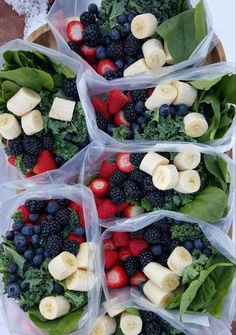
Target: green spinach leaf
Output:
[
  {"x": 9, "y": 89},
  {"x": 204, "y": 296},
  {"x": 200, "y": 22},
  {"x": 204, "y": 85},
  {"x": 212, "y": 166},
  {"x": 227, "y": 87},
  {"x": 17, "y": 258}
]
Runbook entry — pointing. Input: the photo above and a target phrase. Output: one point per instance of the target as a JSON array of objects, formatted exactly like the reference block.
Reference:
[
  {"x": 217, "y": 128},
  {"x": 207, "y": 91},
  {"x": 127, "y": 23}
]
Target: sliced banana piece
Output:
[
  {"x": 169, "y": 58},
  {"x": 154, "y": 54},
  {"x": 9, "y": 126},
  {"x": 32, "y": 122},
  {"x": 130, "y": 324},
  {"x": 81, "y": 280},
  {"x": 151, "y": 161},
  {"x": 163, "y": 94},
  {"x": 195, "y": 125},
  {"x": 62, "y": 109},
  {"x": 104, "y": 326},
  {"x": 186, "y": 94},
  {"x": 178, "y": 260},
  {"x": 63, "y": 265},
  {"x": 23, "y": 101},
  {"x": 53, "y": 307},
  {"x": 85, "y": 256},
  {"x": 189, "y": 182},
  {"x": 138, "y": 67},
  {"x": 144, "y": 25},
  {"x": 165, "y": 177},
  {"x": 112, "y": 312},
  {"x": 187, "y": 160},
  {"x": 158, "y": 297},
  {"x": 162, "y": 277}
]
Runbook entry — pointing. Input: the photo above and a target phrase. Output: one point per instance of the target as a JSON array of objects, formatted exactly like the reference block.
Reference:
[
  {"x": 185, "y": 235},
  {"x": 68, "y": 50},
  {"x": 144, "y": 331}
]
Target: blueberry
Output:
[
  {"x": 84, "y": 143},
  {"x": 27, "y": 230},
  {"x": 163, "y": 332},
  {"x": 131, "y": 17},
  {"x": 156, "y": 250},
  {"x": 164, "y": 110},
  {"x": 110, "y": 128},
  {"x": 14, "y": 290},
  {"x": 188, "y": 245},
  {"x": 57, "y": 288},
  {"x": 130, "y": 135},
  {"x": 198, "y": 244},
  {"x": 17, "y": 225},
  {"x": 101, "y": 53},
  {"x": 172, "y": 110},
  {"x": 207, "y": 252},
  {"x": 68, "y": 137},
  {"x": 182, "y": 110},
  {"x": 119, "y": 64},
  {"x": 38, "y": 260},
  {"x": 148, "y": 116},
  {"x": 20, "y": 240},
  {"x": 52, "y": 207},
  {"x": 34, "y": 217},
  {"x": 141, "y": 120},
  {"x": 107, "y": 40},
  {"x": 12, "y": 278},
  {"x": 12, "y": 267},
  {"x": 37, "y": 229},
  {"x": 93, "y": 8},
  {"x": 40, "y": 251},
  {"x": 130, "y": 61},
  {"x": 79, "y": 231},
  {"x": 127, "y": 28},
  {"x": 175, "y": 221},
  {"x": 115, "y": 34},
  {"x": 35, "y": 239},
  {"x": 10, "y": 235},
  {"x": 29, "y": 254},
  {"x": 45, "y": 254},
  {"x": 139, "y": 107},
  {"x": 141, "y": 287},
  {"x": 122, "y": 19},
  {"x": 21, "y": 249},
  {"x": 136, "y": 127}
]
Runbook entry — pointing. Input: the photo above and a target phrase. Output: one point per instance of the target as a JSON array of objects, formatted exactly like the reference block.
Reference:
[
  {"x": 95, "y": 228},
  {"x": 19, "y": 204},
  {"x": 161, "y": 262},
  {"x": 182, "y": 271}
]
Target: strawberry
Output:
[
  {"x": 116, "y": 277},
  {"x": 136, "y": 246},
  {"x": 99, "y": 187},
  {"x": 100, "y": 106},
  {"x": 79, "y": 211},
  {"x": 108, "y": 245},
  {"x": 98, "y": 201},
  {"x": 12, "y": 160},
  {"x": 124, "y": 252},
  {"x": 88, "y": 53},
  {"x": 25, "y": 212},
  {"x": 106, "y": 210},
  {"x": 110, "y": 258},
  {"x": 119, "y": 120},
  {"x": 74, "y": 31},
  {"x": 45, "y": 163},
  {"x": 129, "y": 97},
  {"x": 149, "y": 92},
  {"x": 94, "y": 66},
  {"x": 122, "y": 206},
  {"x": 30, "y": 174},
  {"x": 132, "y": 211},
  {"x": 107, "y": 169},
  {"x": 123, "y": 163},
  {"x": 138, "y": 279},
  {"x": 120, "y": 239},
  {"x": 106, "y": 65},
  {"x": 116, "y": 101},
  {"x": 73, "y": 237}
]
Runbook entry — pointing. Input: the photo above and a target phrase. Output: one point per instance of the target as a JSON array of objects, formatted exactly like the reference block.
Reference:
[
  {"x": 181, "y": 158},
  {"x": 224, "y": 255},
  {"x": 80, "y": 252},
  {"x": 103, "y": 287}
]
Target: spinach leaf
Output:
[
  {"x": 224, "y": 169},
  {"x": 204, "y": 296},
  {"x": 204, "y": 85},
  {"x": 25, "y": 77},
  {"x": 212, "y": 166},
  {"x": 63, "y": 69},
  {"x": 227, "y": 88},
  {"x": 76, "y": 299},
  {"x": 9, "y": 89},
  {"x": 14, "y": 256},
  {"x": 133, "y": 311},
  {"x": 200, "y": 22}
]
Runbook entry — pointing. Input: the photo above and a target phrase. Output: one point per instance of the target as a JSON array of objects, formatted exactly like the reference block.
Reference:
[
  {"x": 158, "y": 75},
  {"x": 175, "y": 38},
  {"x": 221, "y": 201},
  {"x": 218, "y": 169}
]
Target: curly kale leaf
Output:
[
  {"x": 192, "y": 271},
  {"x": 120, "y": 133}
]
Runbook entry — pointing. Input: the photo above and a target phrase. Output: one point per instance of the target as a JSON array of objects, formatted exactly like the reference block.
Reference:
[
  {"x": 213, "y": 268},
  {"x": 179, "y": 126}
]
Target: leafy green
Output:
[
  {"x": 76, "y": 299},
  {"x": 9, "y": 89},
  {"x": 205, "y": 85},
  {"x": 213, "y": 167},
  {"x": 109, "y": 11},
  {"x": 174, "y": 302},
  {"x": 13, "y": 255},
  {"x": 17, "y": 216},
  {"x": 193, "y": 270},
  {"x": 120, "y": 133},
  {"x": 74, "y": 221},
  {"x": 226, "y": 87},
  {"x": 133, "y": 311},
  {"x": 204, "y": 296},
  {"x": 200, "y": 22},
  {"x": 119, "y": 331},
  {"x": 224, "y": 169},
  {"x": 63, "y": 69}
]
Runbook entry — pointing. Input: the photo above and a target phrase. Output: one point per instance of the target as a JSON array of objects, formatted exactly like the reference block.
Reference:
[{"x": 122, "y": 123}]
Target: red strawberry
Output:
[
  {"x": 100, "y": 106},
  {"x": 107, "y": 169},
  {"x": 98, "y": 201},
  {"x": 79, "y": 211},
  {"x": 120, "y": 239},
  {"x": 106, "y": 210},
  {"x": 132, "y": 211},
  {"x": 122, "y": 206},
  {"x": 123, "y": 162},
  {"x": 88, "y": 53},
  {"x": 108, "y": 245},
  {"x": 119, "y": 120},
  {"x": 149, "y": 92},
  {"x": 25, "y": 212},
  {"x": 30, "y": 174},
  {"x": 73, "y": 237},
  {"x": 94, "y": 66},
  {"x": 99, "y": 187},
  {"x": 116, "y": 277},
  {"x": 74, "y": 31},
  {"x": 124, "y": 252},
  {"x": 45, "y": 163},
  {"x": 116, "y": 101},
  {"x": 137, "y": 246},
  {"x": 138, "y": 279},
  {"x": 110, "y": 258},
  {"x": 106, "y": 65},
  {"x": 12, "y": 160}
]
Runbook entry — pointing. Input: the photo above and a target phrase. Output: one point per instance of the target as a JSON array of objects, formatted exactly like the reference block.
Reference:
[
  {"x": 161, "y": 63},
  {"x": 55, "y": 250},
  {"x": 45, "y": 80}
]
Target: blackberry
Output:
[
  {"x": 137, "y": 176},
  {"x": 118, "y": 178},
  {"x": 87, "y": 18},
  {"x": 63, "y": 216},
  {"x": 50, "y": 228},
  {"x": 139, "y": 95},
  {"x": 147, "y": 316},
  {"x": 115, "y": 50},
  {"x": 110, "y": 75},
  {"x": 132, "y": 45},
  {"x": 156, "y": 199},
  {"x": 29, "y": 161},
  {"x": 70, "y": 89},
  {"x": 48, "y": 141},
  {"x": 163, "y": 259},
  {"x": 166, "y": 239},
  {"x": 53, "y": 246},
  {"x": 173, "y": 244},
  {"x": 71, "y": 246},
  {"x": 15, "y": 146},
  {"x": 152, "y": 235},
  {"x": 63, "y": 202},
  {"x": 117, "y": 195},
  {"x": 145, "y": 258},
  {"x": 101, "y": 122},
  {"x": 148, "y": 185},
  {"x": 35, "y": 205},
  {"x": 131, "y": 189},
  {"x": 131, "y": 266},
  {"x": 136, "y": 158},
  {"x": 33, "y": 144},
  {"x": 73, "y": 46},
  {"x": 92, "y": 35},
  {"x": 163, "y": 224},
  {"x": 129, "y": 113},
  {"x": 151, "y": 327}
]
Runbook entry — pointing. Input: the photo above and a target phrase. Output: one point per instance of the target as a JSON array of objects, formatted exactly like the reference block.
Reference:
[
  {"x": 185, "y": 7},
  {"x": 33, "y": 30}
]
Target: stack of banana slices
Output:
[
  {"x": 179, "y": 176},
  {"x": 77, "y": 273}
]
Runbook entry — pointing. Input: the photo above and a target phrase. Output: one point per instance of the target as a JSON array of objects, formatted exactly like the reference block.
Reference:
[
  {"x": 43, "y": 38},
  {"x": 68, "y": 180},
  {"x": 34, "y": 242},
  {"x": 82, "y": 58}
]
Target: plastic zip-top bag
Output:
[
  {"x": 61, "y": 14},
  {"x": 82, "y": 314}
]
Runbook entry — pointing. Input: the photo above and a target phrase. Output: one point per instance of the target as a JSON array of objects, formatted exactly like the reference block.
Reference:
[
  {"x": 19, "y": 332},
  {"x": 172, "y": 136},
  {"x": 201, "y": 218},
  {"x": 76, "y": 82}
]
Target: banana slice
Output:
[
  {"x": 138, "y": 67},
  {"x": 165, "y": 177},
  {"x": 151, "y": 161},
  {"x": 112, "y": 312},
  {"x": 144, "y": 25},
  {"x": 195, "y": 125},
  {"x": 104, "y": 326},
  {"x": 81, "y": 280},
  {"x": 189, "y": 182},
  {"x": 162, "y": 277},
  {"x": 130, "y": 324},
  {"x": 186, "y": 94},
  {"x": 178, "y": 260},
  {"x": 169, "y": 58},
  {"x": 24, "y": 101},
  {"x": 187, "y": 160},
  {"x": 154, "y": 54},
  {"x": 85, "y": 256},
  {"x": 53, "y": 307},
  {"x": 163, "y": 94},
  {"x": 158, "y": 297},
  {"x": 63, "y": 265},
  {"x": 9, "y": 126},
  {"x": 62, "y": 109},
  {"x": 32, "y": 122}
]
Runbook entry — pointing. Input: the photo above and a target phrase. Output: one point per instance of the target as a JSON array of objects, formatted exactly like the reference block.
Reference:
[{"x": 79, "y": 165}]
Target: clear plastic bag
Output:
[{"x": 16, "y": 320}]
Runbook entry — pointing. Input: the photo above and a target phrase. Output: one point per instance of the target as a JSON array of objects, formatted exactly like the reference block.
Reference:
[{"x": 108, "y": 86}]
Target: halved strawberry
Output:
[
  {"x": 119, "y": 120},
  {"x": 116, "y": 101},
  {"x": 106, "y": 65},
  {"x": 116, "y": 277},
  {"x": 73, "y": 237},
  {"x": 79, "y": 211},
  {"x": 25, "y": 212},
  {"x": 107, "y": 169},
  {"x": 123, "y": 162},
  {"x": 136, "y": 246},
  {"x": 45, "y": 162},
  {"x": 12, "y": 160},
  {"x": 138, "y": 279},
  {"x": 132, "y": 211},
  {"x": 108, "y": 245},
  {"x": 88, "y": 53},
  {"x": 99, "y": 187},
  {"x": 106, "y": 210},
  {"x": 100, "y": 106},
  {"x": 110, "y": 258},
  {"x": 124, "y": 253},
  {"x": 120, "y": 239},
  {"x": 122, "y": 206},
  {"x": 74, "y": 31}
]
